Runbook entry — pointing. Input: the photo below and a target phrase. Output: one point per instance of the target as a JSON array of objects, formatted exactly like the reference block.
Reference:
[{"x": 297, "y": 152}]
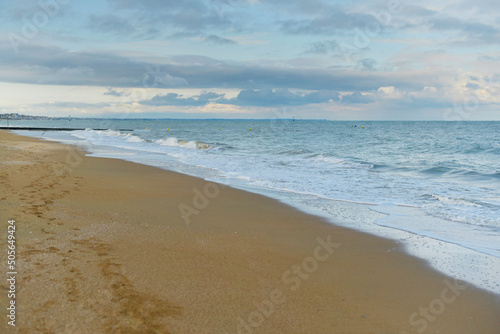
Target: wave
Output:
[
  {"x": 173, "y": 141},
  {"x": 451, "y": 183},
  {"x": 475, "y": 148},
  {"x": 461, "y": 201},
  {"x": 494, "y": 151},
  {"x": 134, "y": 139},
  {"x": 437, "y": 170},
  {"x": 463, "y": 210},
  {"x": 461, "y": 173},
  {"x": 294, "y": 152},
  {"x": 346, "y": 163},
  {"x": 99, "y": 135}
]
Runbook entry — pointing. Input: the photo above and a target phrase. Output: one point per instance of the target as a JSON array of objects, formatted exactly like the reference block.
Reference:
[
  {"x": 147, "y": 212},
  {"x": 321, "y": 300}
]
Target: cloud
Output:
[
  {"x": 387, "y": 90},
  {"x": 283, "y": 52},
  {"x": 55, "y": 65},
  {"x": 51, "y": 65},
  {"x": 174, "y": 99},
  {"x": 112, "y": 92},
  {"x": 281, "y": 97},
  {"x": 246, "y": 97},
  {"x": 367, "y": 64},
  {"x": 324, "y": 47},
  {"x": 75, "y": 105},
  {"x": 152, "y": 5},
  {"x": 164, "y": 80},
  {"x": 327, "y": 23},
  {"x": 473, "y": 86},
  {"x": 357, "y": 98},
  {"x": 186, "y": 16},
  {"x": 111, "y": 23},
  {"x": 345, "y": 20},
  {"x": 67, "y": 75},
  {"x": 457, "y": 28},
  {"x": 18, "y": 10},
  {"x": 213, "y": 39}
]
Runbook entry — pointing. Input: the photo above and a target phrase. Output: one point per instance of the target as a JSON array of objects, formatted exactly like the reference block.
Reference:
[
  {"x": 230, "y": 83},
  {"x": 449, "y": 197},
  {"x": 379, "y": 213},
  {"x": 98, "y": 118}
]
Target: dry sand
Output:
[{"x": 103, "y": 248}]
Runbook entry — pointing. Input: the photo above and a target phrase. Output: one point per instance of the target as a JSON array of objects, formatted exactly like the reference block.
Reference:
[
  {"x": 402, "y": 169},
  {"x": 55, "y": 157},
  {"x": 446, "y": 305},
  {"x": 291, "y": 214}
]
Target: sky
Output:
[{"x": 308, "y": 59}]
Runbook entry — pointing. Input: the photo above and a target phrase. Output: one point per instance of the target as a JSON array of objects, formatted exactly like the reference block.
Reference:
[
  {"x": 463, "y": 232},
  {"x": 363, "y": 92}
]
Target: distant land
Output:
[{"x": 18, "y": 117}]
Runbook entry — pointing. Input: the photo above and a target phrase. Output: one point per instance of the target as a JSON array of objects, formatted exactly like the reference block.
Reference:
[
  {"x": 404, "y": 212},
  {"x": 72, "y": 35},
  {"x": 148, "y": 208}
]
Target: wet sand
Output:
[{"x": 102, "y": 247}]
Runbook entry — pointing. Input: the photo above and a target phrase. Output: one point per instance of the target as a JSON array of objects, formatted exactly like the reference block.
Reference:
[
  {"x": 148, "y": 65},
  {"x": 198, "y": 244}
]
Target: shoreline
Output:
[
  {"x": 106, "y": 237},
  {"x": 398, "y": 222}
]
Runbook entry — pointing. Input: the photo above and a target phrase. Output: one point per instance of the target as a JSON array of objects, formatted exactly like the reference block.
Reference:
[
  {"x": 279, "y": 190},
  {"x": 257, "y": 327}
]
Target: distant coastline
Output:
[{"x": 19, "y": 117}]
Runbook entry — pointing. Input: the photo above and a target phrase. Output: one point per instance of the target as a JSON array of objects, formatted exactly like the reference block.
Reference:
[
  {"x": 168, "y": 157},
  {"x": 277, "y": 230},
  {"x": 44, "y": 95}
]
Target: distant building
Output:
[{"x": 18, "y": 117}]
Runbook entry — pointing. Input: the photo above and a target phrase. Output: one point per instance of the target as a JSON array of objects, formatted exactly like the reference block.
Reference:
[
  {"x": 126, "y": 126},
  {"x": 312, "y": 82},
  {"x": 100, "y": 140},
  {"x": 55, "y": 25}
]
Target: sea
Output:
[{"x": 434, "y": 187}]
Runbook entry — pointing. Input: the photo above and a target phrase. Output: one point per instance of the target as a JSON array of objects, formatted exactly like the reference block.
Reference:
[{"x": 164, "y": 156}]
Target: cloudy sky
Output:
[{"x": 337, "y": 59}]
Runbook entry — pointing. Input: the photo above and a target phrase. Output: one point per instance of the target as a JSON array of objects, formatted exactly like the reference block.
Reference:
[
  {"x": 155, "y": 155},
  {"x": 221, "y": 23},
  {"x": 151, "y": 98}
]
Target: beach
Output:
[{"x": 110, "y": 246}]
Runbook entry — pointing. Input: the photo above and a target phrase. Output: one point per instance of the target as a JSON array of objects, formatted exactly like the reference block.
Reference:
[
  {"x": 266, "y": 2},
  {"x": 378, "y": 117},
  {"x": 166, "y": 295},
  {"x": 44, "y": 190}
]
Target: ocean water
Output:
[{"x": 432, "y": 186}]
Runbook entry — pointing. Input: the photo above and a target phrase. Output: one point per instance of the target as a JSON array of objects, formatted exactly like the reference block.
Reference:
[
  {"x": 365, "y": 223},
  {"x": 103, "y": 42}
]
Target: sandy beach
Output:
[{"x": 108, "y": 246}]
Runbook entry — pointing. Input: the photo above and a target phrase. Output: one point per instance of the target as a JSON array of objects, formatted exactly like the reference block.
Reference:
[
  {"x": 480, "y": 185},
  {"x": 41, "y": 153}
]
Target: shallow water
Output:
[{"x": 425, "y": 183}]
